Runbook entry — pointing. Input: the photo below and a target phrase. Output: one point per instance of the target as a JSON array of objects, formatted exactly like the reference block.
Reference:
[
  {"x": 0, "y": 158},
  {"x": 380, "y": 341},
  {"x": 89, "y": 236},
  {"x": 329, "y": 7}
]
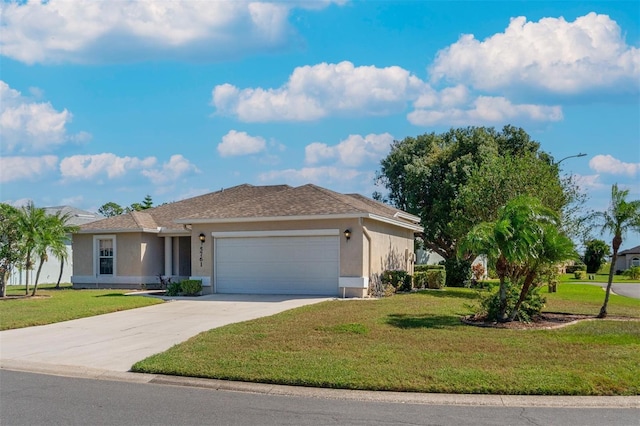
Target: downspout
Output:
[{"x": 366, "y": 234}]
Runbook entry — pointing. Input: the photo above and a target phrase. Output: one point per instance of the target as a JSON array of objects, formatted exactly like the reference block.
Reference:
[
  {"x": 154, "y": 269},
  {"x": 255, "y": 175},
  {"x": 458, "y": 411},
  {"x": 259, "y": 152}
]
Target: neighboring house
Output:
[
  {"x": 250, "y": 239},
  {"x": 51, "y": 268},
  {"x": 627, "y": 259}
]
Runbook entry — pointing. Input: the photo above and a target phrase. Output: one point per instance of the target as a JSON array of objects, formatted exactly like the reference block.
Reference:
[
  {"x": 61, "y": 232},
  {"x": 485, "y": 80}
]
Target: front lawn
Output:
[
  {"x": 416, "y": 342},
  {"x": 51, "y": 305},
  {"x": 598, "y": 278}
]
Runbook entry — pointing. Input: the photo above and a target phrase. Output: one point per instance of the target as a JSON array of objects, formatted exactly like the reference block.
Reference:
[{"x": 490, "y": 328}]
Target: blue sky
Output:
[{"x": 109, "y": 101}]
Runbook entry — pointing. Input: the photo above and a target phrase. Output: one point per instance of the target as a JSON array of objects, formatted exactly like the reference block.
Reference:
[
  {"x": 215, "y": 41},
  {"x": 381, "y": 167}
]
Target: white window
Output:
[
  {"x": 635, "y": 261},
  {"x": 105, "y": 254}
]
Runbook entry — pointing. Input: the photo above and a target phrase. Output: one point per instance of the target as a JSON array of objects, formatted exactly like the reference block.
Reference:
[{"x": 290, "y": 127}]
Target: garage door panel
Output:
[{"x": 277, "y": 265}]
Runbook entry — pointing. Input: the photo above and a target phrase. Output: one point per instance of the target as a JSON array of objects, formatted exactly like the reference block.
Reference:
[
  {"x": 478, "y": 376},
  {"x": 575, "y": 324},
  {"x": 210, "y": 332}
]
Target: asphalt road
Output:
[{"x": 34, "y": 399}]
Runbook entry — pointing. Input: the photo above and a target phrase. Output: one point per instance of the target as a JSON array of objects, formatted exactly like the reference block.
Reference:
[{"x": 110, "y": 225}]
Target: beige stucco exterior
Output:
[
  {"x": 139, "y": 259},
  {"x": 140, "y": 256}
]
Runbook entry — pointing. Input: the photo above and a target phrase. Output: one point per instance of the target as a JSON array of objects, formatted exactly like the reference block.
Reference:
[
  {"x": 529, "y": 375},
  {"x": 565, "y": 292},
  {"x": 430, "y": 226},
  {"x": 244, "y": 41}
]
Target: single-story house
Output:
[
  {"x": 250, "y": 239},
  {"x": 627, "y": 259},
  {"x": 51, "y": 267}
]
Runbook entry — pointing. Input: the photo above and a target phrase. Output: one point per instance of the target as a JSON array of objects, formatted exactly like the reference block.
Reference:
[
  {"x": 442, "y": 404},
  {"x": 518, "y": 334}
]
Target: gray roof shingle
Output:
[{"x": 246, "y": 202}]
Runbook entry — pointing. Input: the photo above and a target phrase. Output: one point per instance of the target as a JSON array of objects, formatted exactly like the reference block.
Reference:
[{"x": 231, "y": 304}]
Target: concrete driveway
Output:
[{"x": 118, "y": 340}]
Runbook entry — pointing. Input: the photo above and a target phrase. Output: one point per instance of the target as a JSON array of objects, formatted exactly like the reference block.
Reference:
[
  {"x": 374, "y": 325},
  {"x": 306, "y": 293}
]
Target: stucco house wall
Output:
[
  {"x": 627, "y": 259},
  {"x": 166, "y": 240}
]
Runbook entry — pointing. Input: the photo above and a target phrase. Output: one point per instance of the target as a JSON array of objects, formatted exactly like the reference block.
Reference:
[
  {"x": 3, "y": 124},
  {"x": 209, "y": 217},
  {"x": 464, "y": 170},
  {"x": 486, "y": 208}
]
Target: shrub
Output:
[
  {"x": 436, "y": 279},
  {"x": 570, "y": 269},
  {"x": 173, "y": 289},
  {"x": 477, "y": 271},
  {"x": 531, "y": 306},
  {"x": 633, "y": 273},
  {"x": 406, "y": 283},
  {"x": 458, "y": 272},
  {"x": 191, "y": 287},
  {"x": 397, "y": 279},
  {"x": 420, "y": 279},
  {"x": 579, "y": 275}
]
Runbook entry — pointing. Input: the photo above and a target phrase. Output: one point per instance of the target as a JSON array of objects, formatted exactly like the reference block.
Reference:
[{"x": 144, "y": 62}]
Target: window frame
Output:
[{"x": 97, "y": 256}]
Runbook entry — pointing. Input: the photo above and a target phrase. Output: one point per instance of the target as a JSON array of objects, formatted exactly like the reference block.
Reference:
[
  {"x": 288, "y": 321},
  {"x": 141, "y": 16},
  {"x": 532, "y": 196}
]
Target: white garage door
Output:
[{"x": 277, "y": 265}]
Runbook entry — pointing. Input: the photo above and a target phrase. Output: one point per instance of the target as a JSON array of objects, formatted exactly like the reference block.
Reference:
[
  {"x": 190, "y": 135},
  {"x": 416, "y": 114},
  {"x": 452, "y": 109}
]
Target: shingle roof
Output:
[
  {"x": 76, "y": 216},
  {"x": 632, "y": 250},
  {"x": 164, "y": 216},
  {"x": 246, "y": 202}
]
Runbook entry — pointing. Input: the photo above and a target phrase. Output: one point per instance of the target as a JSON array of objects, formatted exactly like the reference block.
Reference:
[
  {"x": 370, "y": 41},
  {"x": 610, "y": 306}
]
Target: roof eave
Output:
[
  {"x": 270, "y": 218},
  {"x": 402, "y": 224},
  {"x": 392, "y": 221},
  {"x": 118, "y": 231}
]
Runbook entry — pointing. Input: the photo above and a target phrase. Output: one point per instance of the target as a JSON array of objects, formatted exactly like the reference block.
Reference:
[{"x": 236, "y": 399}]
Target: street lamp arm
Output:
[{"x": 570, "y": 156}]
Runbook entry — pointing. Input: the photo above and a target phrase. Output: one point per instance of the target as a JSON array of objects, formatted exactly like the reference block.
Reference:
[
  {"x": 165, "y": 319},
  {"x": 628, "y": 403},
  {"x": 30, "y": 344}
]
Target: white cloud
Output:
[
  {"x": 317, "y": 175},
  {"x": 88, "y": 31},
  {"x": 72, "y": 201},
  {"x": 610, "y": 165},
  {"x": 28, "y": 126},
  {"x": 482, "y": 110},
  {"x": 26, "y": 168},
  {"x": 91, "y": 166},
  {"x": 552, "y": 54},
  {"x": 317, "y": 91},
  {"x": 351, "y": 152},
  {"x": 176, "y": 167},
  {"x": 240, "y": 143}
]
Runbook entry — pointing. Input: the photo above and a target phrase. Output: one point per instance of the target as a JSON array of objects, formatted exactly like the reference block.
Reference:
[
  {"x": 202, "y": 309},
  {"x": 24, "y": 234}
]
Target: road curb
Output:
[{"x": 324, "y": 393}]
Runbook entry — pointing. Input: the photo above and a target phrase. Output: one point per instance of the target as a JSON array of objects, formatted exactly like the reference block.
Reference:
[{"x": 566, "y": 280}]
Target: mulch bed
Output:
[{"x": 544, "y": 321}]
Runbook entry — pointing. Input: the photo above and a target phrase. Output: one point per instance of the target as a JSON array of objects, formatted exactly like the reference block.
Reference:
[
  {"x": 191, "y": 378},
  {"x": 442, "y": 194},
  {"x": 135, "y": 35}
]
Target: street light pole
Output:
[{"x": 570, "y": 156}]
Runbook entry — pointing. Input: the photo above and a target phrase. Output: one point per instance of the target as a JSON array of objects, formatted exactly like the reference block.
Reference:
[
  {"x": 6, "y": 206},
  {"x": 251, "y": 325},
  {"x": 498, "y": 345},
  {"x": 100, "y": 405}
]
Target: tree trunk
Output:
[
  {"x": 4, "y": 277},
  {"x": 27, "y": 267},
  {"x": 617, "y": 241},
  {"x": 60, "y": 276},
  {"x": 35, "y": 284},
  {"x": 502, "y": 273},
  {"x": 523, "y": 294}
]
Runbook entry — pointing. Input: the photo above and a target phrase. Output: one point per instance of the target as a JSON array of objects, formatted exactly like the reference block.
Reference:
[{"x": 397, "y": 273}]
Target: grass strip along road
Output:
[
  {"x": 50, "y": 305},
  {"x": 416, "y": 342}
]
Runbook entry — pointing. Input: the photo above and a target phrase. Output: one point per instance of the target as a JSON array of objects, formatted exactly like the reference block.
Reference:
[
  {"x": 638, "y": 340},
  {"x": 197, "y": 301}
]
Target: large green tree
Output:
[
  {"x": 595, "y": 254},
  {"x": 11, "y": 248},
  {"x": 620, "y": 217},
  {"x": 110, "y": 209},
  {"x": 459, "y": 178},
  {"x": 524, "y": 239}
]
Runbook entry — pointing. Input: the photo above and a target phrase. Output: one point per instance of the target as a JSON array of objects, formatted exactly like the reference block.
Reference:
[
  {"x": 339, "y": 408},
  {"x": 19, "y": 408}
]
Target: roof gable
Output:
[{"x": 633, "y": 250}]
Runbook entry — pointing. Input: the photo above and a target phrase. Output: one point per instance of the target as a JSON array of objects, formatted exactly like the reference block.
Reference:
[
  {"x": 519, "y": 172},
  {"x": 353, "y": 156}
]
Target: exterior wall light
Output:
[
  {"x": 202, "y": 238},
  {"x": 347, "y": 234}
]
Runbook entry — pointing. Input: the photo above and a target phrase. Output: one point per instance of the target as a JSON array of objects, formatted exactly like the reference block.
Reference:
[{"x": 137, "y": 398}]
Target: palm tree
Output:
[
  {"x": 59, "y": 250},
  {"x": 52, "y": 239},
  {"x": 621, "y": 216},
  {"x": 524, "y": 238},
  {"x": 30, "y": 221}
]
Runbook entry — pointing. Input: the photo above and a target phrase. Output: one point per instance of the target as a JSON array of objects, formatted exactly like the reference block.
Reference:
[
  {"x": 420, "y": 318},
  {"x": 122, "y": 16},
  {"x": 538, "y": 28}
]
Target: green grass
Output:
[
  {"x": 599, "y": 278},
  {"x": 416, "y": 342},
  {"x": 63, "y": 305}
]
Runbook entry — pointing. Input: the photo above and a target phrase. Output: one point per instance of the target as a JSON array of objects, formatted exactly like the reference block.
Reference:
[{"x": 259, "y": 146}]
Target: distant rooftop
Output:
[{"x": 77, "y": 217}]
